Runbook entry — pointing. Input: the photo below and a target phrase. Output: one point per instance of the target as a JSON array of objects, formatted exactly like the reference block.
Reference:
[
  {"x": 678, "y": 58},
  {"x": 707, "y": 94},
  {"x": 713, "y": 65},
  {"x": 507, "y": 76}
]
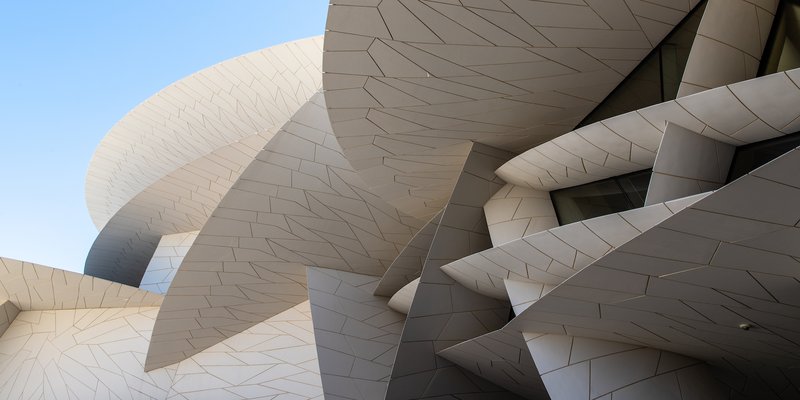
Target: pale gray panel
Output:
[
  {"x": 515, "y": 211},
  {"x": 729, "y": 43},
  {"x": 8, "y": 311},
  {"x": 80, "y": 354},
  {"x": 166, "y": 259},
  {"x": 443, "y": 312},
  {"x": 407, "y": 266},
  {"x": 32, "y": 286},
  {"x": 696, "y": 281},
  {"x": 413, "y": 79},
  {"x": 579, "y": 368},
  {"x": 686, "y": 164},
  {"x": 219, "y": 105},
  {"x": 502, "y": 358},
  {"x": 401, "y": 301},
  {"x": 545, "y": 259},
  {"x": 356, "y": 333},
  {"x": 740, "y": 113},
  {"x": 276, "y": 357},
  {"x": 181, "y": 201},
  {"x": 298, "y": 204}
]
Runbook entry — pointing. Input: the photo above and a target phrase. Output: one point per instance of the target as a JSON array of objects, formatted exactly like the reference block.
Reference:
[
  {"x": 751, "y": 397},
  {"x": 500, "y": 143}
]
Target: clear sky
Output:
[{"x": 69, "y": 70}]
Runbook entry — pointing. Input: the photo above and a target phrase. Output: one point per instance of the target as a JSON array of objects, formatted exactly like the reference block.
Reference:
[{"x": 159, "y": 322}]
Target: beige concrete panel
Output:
[
  {"x": 729, "y": 44},
  {"x": 191, "y": 118},
  {"x": 37, "y": 287},
  {"x": 514, "y": 212},
  {"x": 8, "y": 311},
  {"x": 737, "y": 114},
  {"x": 522, "y": 294},
  {"x": 687, "y": 164},
  {"x": 275, "y": 359},
  {"x": 179, "y": 202},
  {"x": 415, "y": 78},
  {"x": 298, "y": 204},
  {"x": 536, "y": 263},
  {"x": 401, "y": 301},
  {"x": 717, "y": 281},
  {"x": 99, "y": 353},
  {"x": 423, "y": 180},
  {"x": 80, "y": 354},
  {"x": 356, "y": 333},
  {"x": 501, "y": 357},
  {"x": 583, "y": 368},
  {"x": 407, "y": 266},
  {"x": 167, "y": 257},
  {"x": 443, "y": 312}
]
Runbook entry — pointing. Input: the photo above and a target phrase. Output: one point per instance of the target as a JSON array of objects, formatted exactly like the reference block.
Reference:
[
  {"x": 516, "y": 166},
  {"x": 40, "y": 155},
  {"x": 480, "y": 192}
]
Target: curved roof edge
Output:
[
  {"x": 740, "y": 113},
  {"x": 181, "y": 201},
  {"x": 414, "y": 79},
  {"x": 192, "y": 117}
]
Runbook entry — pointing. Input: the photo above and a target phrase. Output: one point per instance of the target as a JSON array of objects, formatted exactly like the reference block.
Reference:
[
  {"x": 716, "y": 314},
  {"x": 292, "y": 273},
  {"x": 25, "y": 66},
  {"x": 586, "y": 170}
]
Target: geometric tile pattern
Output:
[
  {"x": 521, "y": 294},
  {"x": 717, "y": 281},
  {"x": 8, "y": 311},
  {"x": 443, "y": 312},
  {"x": 287, "y": 224},
  {"x": 99, "y": 353},
  {"x": 516, "y": 211},
  {"x": 36, "y": 287},
  {"x": 729, "y": 43},
  {"x": 407, "y": 266},
  {"x": 191, "y": 118},
  {"x": 80, "y": 354},
  {"x": 547, "y": 258},
  {"x": 740, "y": 113},
  {"x": 687, "y": 164},
  {"x": 275, "y": 359},
  {"x": 356, "y": 334},
  {"x": 297, "y": 204},
  {"x": 182, "y": 201},
  {"x": 414, "y": 77},
  {"x": 502, "y": 358},
  {"x": 166, "y": 259},
  {"x": 583, "y": 368}
]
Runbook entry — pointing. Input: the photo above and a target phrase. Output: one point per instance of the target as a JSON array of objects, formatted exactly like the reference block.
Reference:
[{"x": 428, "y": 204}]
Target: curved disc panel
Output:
[
  {"x": 298, "y": 204},
  {"x": 187, "y": 120},
  {"x": 413, "y": 78}
]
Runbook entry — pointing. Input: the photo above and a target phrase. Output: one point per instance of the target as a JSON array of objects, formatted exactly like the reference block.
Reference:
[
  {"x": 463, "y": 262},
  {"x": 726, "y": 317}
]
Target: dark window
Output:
[
  {"x": 657, "y": 77},
  {"x": 752, "y": 156},
  {"x": 594, "y": 199},
  {"x": 782, "y": 51}
]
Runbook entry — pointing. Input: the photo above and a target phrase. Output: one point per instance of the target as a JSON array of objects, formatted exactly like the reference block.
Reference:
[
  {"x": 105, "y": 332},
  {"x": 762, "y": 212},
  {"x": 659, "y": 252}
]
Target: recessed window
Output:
[
  {"x": 782, "y": 51},
  {"x": 752, "y": 156},
  {"x": 657, "y": 78},
  {"x": 594, "y": 199}
]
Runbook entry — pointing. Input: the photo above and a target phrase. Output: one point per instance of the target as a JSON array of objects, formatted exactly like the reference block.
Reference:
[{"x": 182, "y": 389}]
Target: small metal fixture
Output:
[{"x": 745, "y": 326}]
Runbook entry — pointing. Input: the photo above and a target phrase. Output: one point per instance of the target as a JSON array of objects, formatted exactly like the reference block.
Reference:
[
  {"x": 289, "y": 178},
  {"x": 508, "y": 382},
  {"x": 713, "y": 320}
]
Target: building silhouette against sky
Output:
[{"x": 448, "y": 200}]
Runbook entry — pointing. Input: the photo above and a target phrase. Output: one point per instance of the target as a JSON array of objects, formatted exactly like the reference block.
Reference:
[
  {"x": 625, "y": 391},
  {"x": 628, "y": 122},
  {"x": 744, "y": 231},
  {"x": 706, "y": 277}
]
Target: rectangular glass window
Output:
[
  {"x": 603, "y": 197},
  {"x": 752, "y": 156}
]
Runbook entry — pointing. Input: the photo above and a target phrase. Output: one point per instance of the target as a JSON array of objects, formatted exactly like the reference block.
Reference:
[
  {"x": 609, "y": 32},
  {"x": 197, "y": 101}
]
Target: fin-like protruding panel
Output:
[
  {"x": 298, "y": 204},
  {"x": 443, "y": 312},
  {"x": 356, "y": 333},
  {"x": 687, "y": 164}
]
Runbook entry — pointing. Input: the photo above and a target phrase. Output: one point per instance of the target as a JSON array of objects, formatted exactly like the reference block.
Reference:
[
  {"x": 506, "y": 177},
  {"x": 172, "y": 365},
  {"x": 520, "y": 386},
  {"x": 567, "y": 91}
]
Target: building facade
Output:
[{"x": 492, "y": 199}]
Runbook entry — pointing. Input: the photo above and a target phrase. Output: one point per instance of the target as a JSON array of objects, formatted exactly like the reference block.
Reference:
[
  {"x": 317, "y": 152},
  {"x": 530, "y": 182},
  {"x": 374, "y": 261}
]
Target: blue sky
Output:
[{"x": 71, "y": 69}]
